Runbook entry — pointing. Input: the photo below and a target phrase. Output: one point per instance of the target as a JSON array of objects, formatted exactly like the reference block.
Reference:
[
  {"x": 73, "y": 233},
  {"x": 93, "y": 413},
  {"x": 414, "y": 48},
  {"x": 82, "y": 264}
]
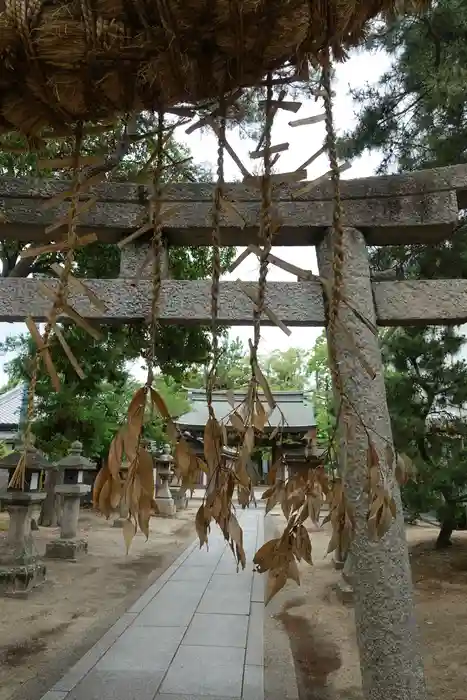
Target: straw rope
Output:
[
  {"x": 18, "y": 477},
  {"x": 157, "y": 247},
  {"x": 216, "y": 256},
  {"x": 92, "y": 61}
]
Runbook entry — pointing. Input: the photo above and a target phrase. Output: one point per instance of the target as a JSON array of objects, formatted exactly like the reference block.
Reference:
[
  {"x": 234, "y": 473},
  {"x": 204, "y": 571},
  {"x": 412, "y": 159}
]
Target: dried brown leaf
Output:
[
  {"x": 145, "y": 471},
  {"x": 115, "y": 458},
  {"x": 263, "y": 382},
  {"x": 265, "y": 556},
  {"x": 274, "y": 432},
  {"x": 237, "y": 422},
  {"x": 202, "y": 520},
  {"x": 212, "y": 444},
  {"x": 273, "y": 500},
  {"x": 102, "y": 477},
  {"x": 302, "y": 545},
  {"x": 260, "y": 416},
  {"x": 314, "y": 502},
  {"x": 249, "y": 440},
  {"x": 144, "y": 514},
  {"x": 373, "y": 459},
  {"x": 129, "y": 531},
  {"x": 277, "y": 578},
  {"x": 384, "y": 520},
  {"x": 230, "y": 396},
  {"x": 268, "y": 492},
  {"x": 104, "y": 499},
  {"x": 373, "y": 478},
  {"x": 159, "y": 404},
  {"x": 171, "y": 431},
  {"x": 183, "y": 457},
  {"x": 115, "y": 492},
  {"x": 292, "y": 571},
  {"x": 333, "y": 542}
]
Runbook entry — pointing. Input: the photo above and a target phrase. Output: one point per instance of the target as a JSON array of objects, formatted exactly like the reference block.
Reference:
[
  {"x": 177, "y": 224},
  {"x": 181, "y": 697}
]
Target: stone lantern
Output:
[
  {"x": 164, "y": 500},
  {"x": 74, "y": 466},
  {"x": 20, "y": 568}
]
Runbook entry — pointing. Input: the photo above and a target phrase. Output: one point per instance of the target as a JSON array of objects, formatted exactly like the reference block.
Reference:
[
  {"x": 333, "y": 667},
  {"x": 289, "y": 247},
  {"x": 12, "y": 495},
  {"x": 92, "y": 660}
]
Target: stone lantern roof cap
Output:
[
  {"x": 35, "y": 459},
  {"x": 75, "y": 459}
]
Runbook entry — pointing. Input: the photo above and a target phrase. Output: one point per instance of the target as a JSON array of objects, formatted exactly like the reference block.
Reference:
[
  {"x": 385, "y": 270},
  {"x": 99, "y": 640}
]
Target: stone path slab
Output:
[{"x": 195, "y": 634}]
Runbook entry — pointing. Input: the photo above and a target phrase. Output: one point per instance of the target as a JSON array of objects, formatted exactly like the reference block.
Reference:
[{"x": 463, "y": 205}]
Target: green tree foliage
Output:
[
  {"x": 416, "y": 112},
  {"x": 233, "y": 370},
  {"x": 318, "y": 367},
  {"x": 287, "y": 369},
  {"x": 415, "y": 115}
]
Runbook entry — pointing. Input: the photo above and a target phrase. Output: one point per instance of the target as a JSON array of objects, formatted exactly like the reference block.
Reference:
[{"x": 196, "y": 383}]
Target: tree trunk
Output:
[
  {"x": 448, "y": 519},
  {"x": 49, "y": 510},
  {"x": 386, "y": 631}
]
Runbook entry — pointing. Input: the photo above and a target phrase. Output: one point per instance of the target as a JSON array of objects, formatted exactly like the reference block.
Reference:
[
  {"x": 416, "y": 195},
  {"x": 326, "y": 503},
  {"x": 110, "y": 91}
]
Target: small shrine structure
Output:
[{"x": 290, "y": 429}]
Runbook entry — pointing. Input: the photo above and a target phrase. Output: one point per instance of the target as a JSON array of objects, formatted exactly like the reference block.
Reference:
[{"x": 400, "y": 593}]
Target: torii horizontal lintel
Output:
[{"x": 187, "y": 302}]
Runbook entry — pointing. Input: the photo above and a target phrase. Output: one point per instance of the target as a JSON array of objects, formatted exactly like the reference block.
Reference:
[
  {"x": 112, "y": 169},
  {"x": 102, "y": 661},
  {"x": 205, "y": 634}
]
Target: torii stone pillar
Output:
[{"x": 387, "y": 635}]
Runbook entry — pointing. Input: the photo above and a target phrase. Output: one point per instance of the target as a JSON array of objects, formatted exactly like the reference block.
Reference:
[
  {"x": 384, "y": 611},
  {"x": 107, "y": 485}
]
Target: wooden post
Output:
[{"x": 387, "y": 636}]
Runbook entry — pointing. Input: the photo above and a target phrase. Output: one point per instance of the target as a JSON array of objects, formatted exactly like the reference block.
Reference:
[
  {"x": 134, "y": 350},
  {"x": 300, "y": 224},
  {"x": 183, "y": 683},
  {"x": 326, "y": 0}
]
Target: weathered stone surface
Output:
[
  {"x": 385, "y": 220},
  {"x": 181, "y": 301},
  {"x": 422, "y": 181},
  {"x": 188, "y": 301},
  {"x": 19, "y": 580},
  {"x": 135, "y": 262},
  {"x": 386, "y": 631},
  {"x": 344, "y": 592},
  {"x": 69, "y": 549},
  {"x": 421, "y": 301}
]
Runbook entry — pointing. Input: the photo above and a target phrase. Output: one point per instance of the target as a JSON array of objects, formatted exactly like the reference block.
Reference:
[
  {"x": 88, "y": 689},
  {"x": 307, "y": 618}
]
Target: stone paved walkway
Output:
[{"x": 196, "y": 633}]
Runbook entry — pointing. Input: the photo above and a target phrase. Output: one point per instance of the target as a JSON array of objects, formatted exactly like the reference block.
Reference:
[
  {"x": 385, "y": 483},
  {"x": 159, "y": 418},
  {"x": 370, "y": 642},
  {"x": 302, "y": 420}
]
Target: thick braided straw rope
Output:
[{"x": 95, "y": 59}]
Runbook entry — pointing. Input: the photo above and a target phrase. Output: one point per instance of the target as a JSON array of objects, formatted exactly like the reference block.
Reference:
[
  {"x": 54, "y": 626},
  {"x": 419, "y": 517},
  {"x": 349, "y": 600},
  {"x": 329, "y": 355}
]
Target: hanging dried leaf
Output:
[
  {"x": 212, "y": 444},
  {"x": 115, "y": 492},
  {"x": 230, "y": 396},
  {"x": 129, "y": 531},
  {"x": 302, "y": 545},
  {"x": 145, "y": 472},
  {"x": 292, "y": 571},
  {"x": 264, "y": 557},
  {"x": 389, "y": 453},
  {"x": 277, "y": 578},
  {"x": 249, "y": 440},
  {"x": 102, "y": 477},
  {"x": 172, "y": 431},
  {"x": 272, "y": 474},
  {"x": 115, "y": 457},
  {"x": 202, "y": 523},
  {"x": 144, "y": 514},
  {"x": 183, "y": 457},
  {"x": 159, "y": 404},
  {"x": 262, "y": 381},
  {"x": 260, "y": 416},
  {"x": 104, "y": 499},
  {"x": 237, "y": 422}
]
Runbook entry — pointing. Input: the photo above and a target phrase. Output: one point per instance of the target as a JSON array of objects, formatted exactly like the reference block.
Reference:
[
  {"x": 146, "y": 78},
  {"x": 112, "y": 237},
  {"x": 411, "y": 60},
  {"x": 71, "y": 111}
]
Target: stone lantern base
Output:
[
  {"x": 21, "y": 570},
  {"x": 165, "y": 507},
  {"x": 66, "y": 549},
  {"x": 69, "y": 545}
]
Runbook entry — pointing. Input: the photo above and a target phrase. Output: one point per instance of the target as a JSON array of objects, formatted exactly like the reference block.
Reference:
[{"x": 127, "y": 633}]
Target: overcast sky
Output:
[{"x": 304, "y": 141}]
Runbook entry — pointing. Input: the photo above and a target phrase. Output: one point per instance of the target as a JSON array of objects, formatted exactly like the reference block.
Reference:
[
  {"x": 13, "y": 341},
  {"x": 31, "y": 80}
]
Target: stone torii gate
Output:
[{"x": 420, "y": 208}]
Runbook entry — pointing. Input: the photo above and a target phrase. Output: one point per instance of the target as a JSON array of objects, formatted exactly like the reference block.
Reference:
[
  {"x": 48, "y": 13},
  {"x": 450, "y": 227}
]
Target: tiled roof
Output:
[
  {"x": 12, "y": 402},
  {"x": 294, "y": 406}
]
